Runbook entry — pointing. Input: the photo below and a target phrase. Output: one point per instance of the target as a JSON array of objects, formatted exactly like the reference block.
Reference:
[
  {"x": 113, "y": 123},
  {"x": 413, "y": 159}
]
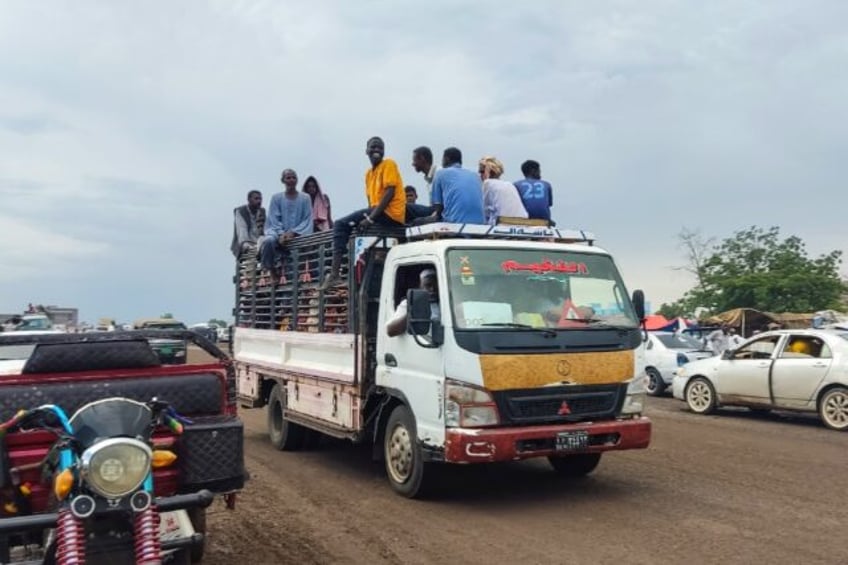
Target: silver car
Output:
[{"x": 801, "y": 370}]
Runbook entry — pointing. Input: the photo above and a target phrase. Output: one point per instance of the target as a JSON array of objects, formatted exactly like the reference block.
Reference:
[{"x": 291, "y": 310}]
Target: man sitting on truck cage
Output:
[
  {"x": 457, "y": 192},
  {"x": 386, "y": 204},
  {"x": 397, "y": 324},
  {"x": 289, "y": 215},
  {"x": 248, "y": 223}
]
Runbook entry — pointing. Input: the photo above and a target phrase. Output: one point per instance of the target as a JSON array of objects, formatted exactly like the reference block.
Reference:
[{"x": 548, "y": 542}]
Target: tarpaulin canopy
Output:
[
  {"x": 745, "y": 320},
  {"x": 655, "y": 321}
]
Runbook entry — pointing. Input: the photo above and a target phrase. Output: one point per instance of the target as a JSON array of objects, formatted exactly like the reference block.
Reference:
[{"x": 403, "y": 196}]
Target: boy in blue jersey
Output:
[{"x": 536, "y": 194}]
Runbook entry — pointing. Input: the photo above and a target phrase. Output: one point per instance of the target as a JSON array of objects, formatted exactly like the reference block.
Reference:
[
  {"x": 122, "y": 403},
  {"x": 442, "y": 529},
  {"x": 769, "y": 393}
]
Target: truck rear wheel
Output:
[
  {"x": 285, "y": 435},
  {"x": 578, "y": 465},
  {"x": 405, "y": 466}
]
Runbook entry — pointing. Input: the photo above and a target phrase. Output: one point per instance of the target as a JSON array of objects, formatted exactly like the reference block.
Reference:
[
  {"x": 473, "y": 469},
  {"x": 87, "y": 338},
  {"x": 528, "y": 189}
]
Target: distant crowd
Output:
[{"x": 456, "y": 195}]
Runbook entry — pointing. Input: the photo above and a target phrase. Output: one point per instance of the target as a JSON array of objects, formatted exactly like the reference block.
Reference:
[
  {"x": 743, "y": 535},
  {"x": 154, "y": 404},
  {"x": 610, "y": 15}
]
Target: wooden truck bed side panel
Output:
[{"x": 324, "y": 356}]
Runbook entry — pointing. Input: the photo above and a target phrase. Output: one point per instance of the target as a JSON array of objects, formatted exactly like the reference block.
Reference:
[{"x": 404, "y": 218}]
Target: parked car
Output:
[
  {"x": 664, "y": 353},
  {"x": 801, "y": 370},
  {"x": 169, "y": 350},
  {"x": 36, "y": 324},
  {"x": 208, "y": 331}
]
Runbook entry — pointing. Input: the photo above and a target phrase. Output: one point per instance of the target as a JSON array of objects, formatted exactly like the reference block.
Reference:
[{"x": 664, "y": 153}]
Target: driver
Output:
[{"x": 427, "y": 281}]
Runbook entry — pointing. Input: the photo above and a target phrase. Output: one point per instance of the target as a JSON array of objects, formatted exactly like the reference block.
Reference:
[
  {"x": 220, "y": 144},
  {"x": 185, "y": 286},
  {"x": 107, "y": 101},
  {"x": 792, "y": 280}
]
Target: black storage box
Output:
[{"x": 211, "y": 455}]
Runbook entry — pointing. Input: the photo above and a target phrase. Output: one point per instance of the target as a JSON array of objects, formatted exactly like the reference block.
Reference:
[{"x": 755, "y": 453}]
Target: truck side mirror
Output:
[
  {"x": 418, "y": 311},
  {"x": 639, "y": 304}
]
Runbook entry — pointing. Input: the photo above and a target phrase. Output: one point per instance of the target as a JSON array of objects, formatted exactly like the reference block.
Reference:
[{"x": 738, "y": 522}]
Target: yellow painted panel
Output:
[{"x": 503, "y": 372}]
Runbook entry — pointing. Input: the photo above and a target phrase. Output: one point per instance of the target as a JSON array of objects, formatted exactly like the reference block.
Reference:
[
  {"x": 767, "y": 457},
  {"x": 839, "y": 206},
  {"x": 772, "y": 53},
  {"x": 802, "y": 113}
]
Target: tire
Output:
[
  {"x": 700, "y": 396},
  {"x": 405, "y": 468},
  {"x": 833, "y": 408},
  {"x": 656, "y": 385},
  {"x": 285, "y": 435},
  {"x": 198, "y": 522},
  {"x": 578, "y": 465}
]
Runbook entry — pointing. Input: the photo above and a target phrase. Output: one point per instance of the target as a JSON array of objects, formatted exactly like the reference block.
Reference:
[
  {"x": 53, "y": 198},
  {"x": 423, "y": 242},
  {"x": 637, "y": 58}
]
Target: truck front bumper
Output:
[{"x": 486, "y": 445}]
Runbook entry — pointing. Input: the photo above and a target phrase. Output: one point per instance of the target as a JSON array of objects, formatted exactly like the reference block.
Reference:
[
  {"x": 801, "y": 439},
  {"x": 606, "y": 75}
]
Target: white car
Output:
[
  {"x": 801, "y": 370},
  {"x": 665, "y": 352}
]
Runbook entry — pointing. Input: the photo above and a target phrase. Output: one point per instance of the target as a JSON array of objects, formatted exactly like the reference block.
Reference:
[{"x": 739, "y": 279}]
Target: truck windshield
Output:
[{"x": 531, "y": 288}]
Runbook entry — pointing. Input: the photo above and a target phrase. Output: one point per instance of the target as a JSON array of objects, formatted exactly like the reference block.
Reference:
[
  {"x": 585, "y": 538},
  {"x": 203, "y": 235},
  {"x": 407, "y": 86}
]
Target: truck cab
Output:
[{"x": 528, "y": 346}]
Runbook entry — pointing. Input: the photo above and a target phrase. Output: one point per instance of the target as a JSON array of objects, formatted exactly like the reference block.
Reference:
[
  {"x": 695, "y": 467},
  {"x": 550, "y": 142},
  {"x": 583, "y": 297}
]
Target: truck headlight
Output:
[
  {"x": 115, "y": 467},
  {"x": 634, "y": 404},
  {"x": 469, "y": 407},
  {"x": 637, "y": 393}
]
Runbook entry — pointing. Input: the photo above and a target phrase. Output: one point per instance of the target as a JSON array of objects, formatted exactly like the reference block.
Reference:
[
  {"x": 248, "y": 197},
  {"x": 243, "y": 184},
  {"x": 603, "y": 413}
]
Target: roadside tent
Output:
[
  {"x": 745, "y": 320},
  {"x": 676, "y": 324},
  {"x": 655, "y": 321},
  {"x": 794, "y": 321}
]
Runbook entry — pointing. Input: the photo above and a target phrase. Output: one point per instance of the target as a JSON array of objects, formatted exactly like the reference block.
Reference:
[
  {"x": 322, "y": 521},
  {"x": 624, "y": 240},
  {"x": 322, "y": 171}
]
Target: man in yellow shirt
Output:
[{"x": 384, "y": 189}]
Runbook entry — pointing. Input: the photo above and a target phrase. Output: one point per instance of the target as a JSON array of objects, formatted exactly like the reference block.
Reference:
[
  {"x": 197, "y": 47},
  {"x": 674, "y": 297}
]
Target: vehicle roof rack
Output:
[{"x": 503, "y": 231}]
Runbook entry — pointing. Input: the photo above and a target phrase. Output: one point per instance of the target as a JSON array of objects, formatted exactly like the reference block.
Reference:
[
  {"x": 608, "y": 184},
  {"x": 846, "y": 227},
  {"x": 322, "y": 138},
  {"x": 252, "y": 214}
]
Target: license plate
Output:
[
  {"x": 175, "y": 525},
  {"x": 572, "y": 441}
]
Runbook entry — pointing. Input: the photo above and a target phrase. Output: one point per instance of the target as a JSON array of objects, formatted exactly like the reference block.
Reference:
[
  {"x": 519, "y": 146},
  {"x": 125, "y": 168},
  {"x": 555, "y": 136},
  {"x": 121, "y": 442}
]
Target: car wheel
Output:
[
  {"x": 833, "y": 408},
  {"x": 700, "y": 396},
  {"x": 656, "y": 385},
  {"x": 578, "y": 465},
  {"x": 405, "y": 467},
  {"x": 285, "y": 435}
]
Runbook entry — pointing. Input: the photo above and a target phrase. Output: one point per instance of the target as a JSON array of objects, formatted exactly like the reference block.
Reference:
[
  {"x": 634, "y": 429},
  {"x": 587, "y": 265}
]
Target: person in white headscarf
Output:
[{"x": 500, "y": 198}]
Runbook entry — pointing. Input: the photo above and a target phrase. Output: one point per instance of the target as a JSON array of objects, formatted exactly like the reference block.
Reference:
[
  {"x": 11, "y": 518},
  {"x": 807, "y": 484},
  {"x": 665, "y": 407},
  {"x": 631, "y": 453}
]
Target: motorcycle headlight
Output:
[{"x": 115, "y": 467}]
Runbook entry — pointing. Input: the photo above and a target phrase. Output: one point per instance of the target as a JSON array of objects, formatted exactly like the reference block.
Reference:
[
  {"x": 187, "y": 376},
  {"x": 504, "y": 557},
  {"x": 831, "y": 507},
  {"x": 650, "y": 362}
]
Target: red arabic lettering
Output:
[{"x": 546, "y": 266}]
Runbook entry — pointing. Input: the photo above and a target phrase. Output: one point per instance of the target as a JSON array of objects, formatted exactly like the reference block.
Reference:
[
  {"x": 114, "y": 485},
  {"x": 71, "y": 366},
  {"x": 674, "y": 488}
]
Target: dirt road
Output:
[{"x": 732, "y": 488}]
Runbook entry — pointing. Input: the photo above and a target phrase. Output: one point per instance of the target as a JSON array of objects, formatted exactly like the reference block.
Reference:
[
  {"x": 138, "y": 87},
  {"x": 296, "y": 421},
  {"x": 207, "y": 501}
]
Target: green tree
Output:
[
  {"x": 673, "y": 310},
  {"x": 755, "y": 268}
]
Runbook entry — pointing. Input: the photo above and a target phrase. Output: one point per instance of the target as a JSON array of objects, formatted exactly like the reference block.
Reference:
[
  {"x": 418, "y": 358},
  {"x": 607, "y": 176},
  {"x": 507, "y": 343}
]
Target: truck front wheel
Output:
[
  {"x": 405, "y": 467},
  {"x": 578, "y": 465},
  {"x": 285, "y": 435}
]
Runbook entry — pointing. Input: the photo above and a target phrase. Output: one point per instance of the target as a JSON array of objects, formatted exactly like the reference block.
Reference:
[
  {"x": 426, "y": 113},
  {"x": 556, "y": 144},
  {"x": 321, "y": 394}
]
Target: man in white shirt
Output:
[
  {"x": 718, "y": 340},
  {"x": 397, "y": 324},
  {"x": 422, "y": 162},
  {"x": 500, "y": 198}
]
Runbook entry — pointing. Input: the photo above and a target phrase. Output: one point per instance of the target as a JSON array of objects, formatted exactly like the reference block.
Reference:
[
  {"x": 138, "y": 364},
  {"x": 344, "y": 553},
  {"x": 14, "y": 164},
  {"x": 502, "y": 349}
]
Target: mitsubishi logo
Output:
[{"x": 564, "y": 410}]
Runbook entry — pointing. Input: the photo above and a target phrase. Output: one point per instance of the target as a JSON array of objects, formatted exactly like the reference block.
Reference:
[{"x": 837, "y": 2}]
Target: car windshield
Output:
[
  {"x": 679, "y": 341},
  {"x": 176, "y": 326},
  {"x": 34, "y": 324},
  {"x": 530, "y": 288}
]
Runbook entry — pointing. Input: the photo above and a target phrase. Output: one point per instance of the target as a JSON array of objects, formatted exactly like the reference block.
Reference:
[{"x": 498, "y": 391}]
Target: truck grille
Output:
[{"x": 543, "y": 406}]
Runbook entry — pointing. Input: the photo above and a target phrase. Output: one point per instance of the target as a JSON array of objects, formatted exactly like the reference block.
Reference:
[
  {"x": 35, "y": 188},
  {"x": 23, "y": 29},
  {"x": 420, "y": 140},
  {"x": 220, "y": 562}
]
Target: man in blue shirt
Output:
[
  {"x": 289, "y": 215},
  {"x": 536, "y": 194},
  {"x": 457, "y": 192}
]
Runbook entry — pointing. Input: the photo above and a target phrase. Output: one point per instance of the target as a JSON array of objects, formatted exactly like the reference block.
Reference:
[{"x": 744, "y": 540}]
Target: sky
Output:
[{"x": 129, "y": 131}]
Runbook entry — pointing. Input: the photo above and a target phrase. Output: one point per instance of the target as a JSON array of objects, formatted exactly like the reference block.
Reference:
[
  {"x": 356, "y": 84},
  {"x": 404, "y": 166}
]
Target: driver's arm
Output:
[{"x": 397, "y": 323}]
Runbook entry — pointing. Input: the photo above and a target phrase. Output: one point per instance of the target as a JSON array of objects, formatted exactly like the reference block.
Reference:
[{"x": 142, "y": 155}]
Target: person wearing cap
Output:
[{"x": 397, "y": 324}]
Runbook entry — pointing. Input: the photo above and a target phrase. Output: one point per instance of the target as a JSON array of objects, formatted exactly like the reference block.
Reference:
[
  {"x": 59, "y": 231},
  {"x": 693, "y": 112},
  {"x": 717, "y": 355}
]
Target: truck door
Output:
[{"x": 416, "y": 372}]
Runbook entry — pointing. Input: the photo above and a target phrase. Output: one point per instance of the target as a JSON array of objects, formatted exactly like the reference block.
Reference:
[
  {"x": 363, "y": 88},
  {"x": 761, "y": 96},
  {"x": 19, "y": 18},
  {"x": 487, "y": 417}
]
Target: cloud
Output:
[{"x": 129, "y": 133}]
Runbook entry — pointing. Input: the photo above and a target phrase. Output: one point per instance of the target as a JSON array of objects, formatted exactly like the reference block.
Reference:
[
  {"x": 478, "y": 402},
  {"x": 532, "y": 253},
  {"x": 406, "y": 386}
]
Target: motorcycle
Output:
[{"x": 102, "y": 497}]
